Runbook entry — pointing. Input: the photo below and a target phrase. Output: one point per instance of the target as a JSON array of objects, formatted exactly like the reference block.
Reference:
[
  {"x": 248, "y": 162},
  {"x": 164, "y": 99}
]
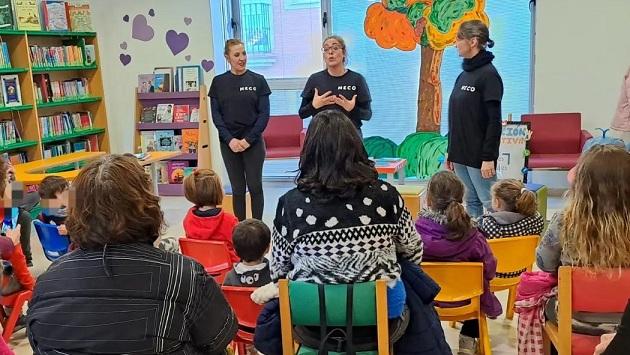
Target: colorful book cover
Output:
[
  {"x": 90, "y": 54},
  {"x": 190, "y": 78},
  {"x": 177, "y": 142},
  {"x": 176, "y": 171},
  {"x": 55, "y": 15},
  {"x": 6, "y": 15},
  {"x": 27, "y": 15},
  {"x": 145, "y": 83},
  {"x": 147, "y": 141},
  {"x": 194, "y": 114},
  {"x": 190, "y": 140},
  {"x": 164, "y": 113},
  {"x": 148, "y": 114},
  {"x": 161, "y": 83},
  {"x": 80, "y": 17},
  {"x": 164, "y": 140},
  {"x": 181, "y": 113},
  {"x": 189, "y": 170},
  {"x": 11, "y": 90}
]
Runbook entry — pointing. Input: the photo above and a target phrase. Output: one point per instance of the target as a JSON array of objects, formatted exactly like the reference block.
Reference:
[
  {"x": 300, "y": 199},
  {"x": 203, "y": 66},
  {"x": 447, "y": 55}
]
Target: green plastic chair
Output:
[{"x": 300, "y": 306}]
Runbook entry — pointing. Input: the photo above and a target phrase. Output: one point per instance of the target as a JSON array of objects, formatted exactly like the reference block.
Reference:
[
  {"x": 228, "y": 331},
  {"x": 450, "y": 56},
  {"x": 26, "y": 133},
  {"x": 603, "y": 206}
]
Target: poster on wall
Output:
[{"x": 513, "y": 150}]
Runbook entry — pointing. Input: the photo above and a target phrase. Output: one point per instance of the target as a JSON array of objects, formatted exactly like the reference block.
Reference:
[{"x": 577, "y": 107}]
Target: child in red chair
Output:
[
  {"x": 251, "y": 239},
  {"x": 206, "y": 220},
  {"x": 516, "y": 212}
]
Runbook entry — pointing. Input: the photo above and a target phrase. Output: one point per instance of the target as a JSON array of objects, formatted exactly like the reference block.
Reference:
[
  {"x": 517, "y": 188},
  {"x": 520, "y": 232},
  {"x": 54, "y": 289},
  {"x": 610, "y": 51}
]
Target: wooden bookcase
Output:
[
  {"x": 27, "y": 116},
  {"x": 196, "y": 99}
]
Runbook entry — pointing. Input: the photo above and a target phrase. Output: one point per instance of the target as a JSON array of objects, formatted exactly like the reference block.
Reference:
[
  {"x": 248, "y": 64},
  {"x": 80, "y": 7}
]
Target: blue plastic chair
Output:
[{"x": 54, "y": 244}]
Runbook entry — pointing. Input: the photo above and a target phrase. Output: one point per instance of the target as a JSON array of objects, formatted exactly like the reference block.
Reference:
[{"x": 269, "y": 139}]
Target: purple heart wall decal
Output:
[
  {"x": 187, "y": 58},
  {"x": 126, "y": 18},
  {"x": 123, "y": 46},
  {"x": 187, "y": 20},
  {"x": 125, "y": 59},
  {"x": 207, "y": 65},
  {"x": 177, "y": 42},
  {"x": 151, "y": 12},
  {"x": 141, "y": 30}
]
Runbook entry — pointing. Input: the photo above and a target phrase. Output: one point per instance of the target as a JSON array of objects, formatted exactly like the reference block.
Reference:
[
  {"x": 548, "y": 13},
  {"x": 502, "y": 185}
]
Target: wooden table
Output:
[
  {"x": 391, "y": 166},
  {"x": 31, "y": 173},
  {"x": 154, "y": 159}
]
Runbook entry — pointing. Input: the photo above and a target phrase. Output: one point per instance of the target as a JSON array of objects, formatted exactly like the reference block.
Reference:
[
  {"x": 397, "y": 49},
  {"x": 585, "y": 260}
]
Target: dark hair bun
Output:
[{"x": 490, "y": 43}]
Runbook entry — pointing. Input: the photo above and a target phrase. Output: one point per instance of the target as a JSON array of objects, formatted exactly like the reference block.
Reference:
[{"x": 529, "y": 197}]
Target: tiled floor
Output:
[{"x": 502, "y": 332}]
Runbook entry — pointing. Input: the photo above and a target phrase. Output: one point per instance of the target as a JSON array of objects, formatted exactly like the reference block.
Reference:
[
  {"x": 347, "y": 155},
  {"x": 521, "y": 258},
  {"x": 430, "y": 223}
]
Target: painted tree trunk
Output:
[{"x": 430, "y": 91}]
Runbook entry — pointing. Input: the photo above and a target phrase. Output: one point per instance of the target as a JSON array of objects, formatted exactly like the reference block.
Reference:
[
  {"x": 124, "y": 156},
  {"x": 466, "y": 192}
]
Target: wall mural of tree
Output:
[{"x": 432, "y": 24}]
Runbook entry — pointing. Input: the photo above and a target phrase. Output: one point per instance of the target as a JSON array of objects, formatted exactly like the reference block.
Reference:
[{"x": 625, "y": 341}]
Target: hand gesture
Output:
[
  {"x": 235, "y": 145},
  {"x": 322, "y": 100},
  {"x": 487, "y": 169},
  {"x": 347, "y": 105},
  {"x": 62, "y": 230},
  {"x": 14, "y": 234},
  {"x": 244, "y": 144},
  {"x": 449, "y": 165}
]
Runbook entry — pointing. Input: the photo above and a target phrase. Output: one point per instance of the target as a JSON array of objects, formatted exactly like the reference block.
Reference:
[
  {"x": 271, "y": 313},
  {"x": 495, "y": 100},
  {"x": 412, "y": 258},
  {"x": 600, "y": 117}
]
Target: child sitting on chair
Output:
[
  {"x": 450, "y": 235},
  {"x": 251, "y": 239},
  {"x": 53, "y": 191},
  {"x": 516, "y": 212},
  {"x": 206, "y": 220}
]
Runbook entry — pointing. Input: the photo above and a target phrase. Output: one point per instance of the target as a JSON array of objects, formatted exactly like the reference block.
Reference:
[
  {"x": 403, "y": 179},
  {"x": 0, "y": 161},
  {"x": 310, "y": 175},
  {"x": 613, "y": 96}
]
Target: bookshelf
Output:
[
  {"x": 27, "y": 116},
  {"x": 201, "y": 156}
]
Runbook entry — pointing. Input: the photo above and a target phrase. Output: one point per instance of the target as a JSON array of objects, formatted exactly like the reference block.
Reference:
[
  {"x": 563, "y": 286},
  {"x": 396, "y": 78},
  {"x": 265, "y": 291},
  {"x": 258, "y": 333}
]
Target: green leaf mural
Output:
[
  {"x": 424, "y": 152},
  {"x": 379, "y": 147}
]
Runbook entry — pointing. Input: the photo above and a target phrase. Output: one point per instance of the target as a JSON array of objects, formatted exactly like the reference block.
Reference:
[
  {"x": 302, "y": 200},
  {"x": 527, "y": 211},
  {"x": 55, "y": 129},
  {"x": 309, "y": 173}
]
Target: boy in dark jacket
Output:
[
  {"x": 53, "y": 191},
  {"x": 251, "y": 239}
]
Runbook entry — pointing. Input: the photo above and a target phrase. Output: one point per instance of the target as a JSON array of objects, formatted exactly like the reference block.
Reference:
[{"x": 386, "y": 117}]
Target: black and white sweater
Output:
[
  {"x": 510, "y": 224},
  {"x": 343, "y": 241}
]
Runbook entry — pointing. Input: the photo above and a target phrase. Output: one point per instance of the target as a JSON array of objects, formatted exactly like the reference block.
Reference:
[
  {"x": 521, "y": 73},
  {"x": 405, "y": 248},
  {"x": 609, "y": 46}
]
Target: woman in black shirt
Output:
[
  {"x": 240, "y": 111},
  {"x": 474, "y": 117},
  {"x": 336, "y": 87}
]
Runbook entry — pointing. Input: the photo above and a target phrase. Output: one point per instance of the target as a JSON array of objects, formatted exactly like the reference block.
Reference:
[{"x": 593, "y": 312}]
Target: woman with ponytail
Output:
[
  {"x": 516, "y": 212},
  {"x": 449, "y": 234}
]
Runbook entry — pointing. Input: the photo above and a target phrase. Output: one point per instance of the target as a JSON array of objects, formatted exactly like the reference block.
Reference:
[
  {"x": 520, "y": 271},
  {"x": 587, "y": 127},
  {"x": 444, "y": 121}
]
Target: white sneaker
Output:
[{"x": 467, "y": 345}]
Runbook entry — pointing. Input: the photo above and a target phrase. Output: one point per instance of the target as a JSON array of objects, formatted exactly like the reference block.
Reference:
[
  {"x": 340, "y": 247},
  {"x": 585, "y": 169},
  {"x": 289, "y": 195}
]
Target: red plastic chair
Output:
[
  {"x": 15, "y": 301},
  {"x": 246, "y": 312},
  {"x": 213, "y": 255}
]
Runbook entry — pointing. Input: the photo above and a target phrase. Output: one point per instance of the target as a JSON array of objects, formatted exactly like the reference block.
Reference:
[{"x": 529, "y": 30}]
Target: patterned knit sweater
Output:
[
  {"x": 510, "y": 224},
  {"x": 343, "y": 241}
]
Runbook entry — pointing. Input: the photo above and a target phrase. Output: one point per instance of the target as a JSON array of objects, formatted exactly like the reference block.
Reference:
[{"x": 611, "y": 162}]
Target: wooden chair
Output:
[
  {"x": 515, "y": 255},
  {"x": 213, "y": 255},
  {"x": 246, "y": 312},
  {"x": 584, "y": 290},
  {"x": 16, "y": 301},
  {"x": 461, "y": 283},
  {"x": 300, "y": 305}
]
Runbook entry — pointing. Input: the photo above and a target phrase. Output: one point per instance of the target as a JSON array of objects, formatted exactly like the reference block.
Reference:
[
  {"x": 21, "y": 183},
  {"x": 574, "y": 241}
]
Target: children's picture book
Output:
[
  {"x": 164, "y": 140},
  {"x": 190, "y": 140},
  {"x": 189, "y": 170},
  {"x": 54, "y": 12},
  {"x": 161, "y": 82},
  {"x": 27, "y": 15},
  {"x": 145, "y": 83},
  {"x": 177, "y": 142},
  {"x": 164, "y": 113},
  {"x": 147, "y": 141},
  {"x": 176, "y": 171},
  {"x": 181, "y": 113},
  {"x": 189, "y": 78},
  {"x": 80, "y": 17},
  {"x": 148, "y": 114},
  {"x": 6, "y": 15},
  {"x": 168, "y": 73},
  {"x": 90, "y": 54},
  {"x": 11, "y": 90},
  {"x": 194, "y": 114}
]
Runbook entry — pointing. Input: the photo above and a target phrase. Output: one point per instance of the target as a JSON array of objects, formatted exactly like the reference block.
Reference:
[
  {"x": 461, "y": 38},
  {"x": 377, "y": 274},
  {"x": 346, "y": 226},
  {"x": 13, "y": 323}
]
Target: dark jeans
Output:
[
  {"x": 470, "y": 328},
  {"x": 25, "y": 221},
  {"x": 245, "y": 172}
]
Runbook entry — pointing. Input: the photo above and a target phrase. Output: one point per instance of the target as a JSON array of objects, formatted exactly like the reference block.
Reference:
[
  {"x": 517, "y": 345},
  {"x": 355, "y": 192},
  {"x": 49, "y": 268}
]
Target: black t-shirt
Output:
[
  {"x": 474, "y": 117},
  {"x": 237, "y": 97},
  {"x": 348, "y": 85}
]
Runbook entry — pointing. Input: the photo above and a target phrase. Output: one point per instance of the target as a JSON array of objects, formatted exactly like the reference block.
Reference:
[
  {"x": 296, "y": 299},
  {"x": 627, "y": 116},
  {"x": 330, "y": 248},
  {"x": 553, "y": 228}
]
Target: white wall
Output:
[
  {"x": 582, "y": 53},
  {"x": 120, "y": 81}
]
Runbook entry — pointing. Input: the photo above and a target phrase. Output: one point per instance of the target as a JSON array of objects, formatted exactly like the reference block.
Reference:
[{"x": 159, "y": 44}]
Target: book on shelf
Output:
[
  {"x": 188, "y": 78},
  {"x": 177, "y": 142},
  {"x": 175, "y": 170},
  {"x": 80, "y": 16},
  {"x": 90, "y": 54},
  {"x": 161, "y": 83},
  {"x": 92, "y": 142},
  {"x": 6, "y": 15},
  {"x": 57, "y": 56},
  {"x": 189, "y": 170},
  {"x": 17, "y": 158},
  {"x": 11, "y": 93},
  {"x": 52, "y": 91},
  {"x": 57, "y": 149},
  {"x": 194, "y": 114},
  {"x": 164, "y": 140},
  {"x": 27, "y": 15},
  {"x": 148, "y": 114},
  {"x": 9, "y": 134},
  {"x": 181, "y": 113},
  {"x": 55, "y": 15},
  {"x": 5, "y": 57},
  {"x": 190, "y": 140},
  {"x": 166, "y": 72},
  {"x": 147, "y": 141},
  {"x": 164, "y": 113},
  {"x": 65, "y": 123},
  {"x": 145, "y": 83}
]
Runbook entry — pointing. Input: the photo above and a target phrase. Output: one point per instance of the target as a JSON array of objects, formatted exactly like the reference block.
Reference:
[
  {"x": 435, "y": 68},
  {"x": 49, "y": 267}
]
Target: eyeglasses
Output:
[{"x": 333, "y": 48}]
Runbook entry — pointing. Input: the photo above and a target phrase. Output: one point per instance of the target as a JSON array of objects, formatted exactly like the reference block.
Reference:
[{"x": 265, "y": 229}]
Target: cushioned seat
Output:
[
  {"x": 284, "y": 136},
  {"x": 552, "y": 161}
]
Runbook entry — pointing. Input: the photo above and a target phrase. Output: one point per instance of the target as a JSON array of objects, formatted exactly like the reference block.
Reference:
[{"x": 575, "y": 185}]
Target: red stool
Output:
[
  {"x": 15, "y": 301},
  {"x": 246, "y": 312},
  {"x": 212, "y": 254}
]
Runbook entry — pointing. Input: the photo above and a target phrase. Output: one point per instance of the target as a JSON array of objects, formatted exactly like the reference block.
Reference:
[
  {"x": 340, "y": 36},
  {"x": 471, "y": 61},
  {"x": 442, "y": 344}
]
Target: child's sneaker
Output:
[{"x": 467, "y": 345}]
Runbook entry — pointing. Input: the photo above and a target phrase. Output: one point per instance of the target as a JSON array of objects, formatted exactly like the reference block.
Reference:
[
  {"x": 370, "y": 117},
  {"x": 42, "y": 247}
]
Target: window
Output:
[
  {"x": 257, "y": 26},
  {"x": 301, "y": 4}
]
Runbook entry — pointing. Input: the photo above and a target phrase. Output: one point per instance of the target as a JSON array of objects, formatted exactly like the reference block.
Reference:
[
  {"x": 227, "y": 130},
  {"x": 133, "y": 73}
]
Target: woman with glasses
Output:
[{"x": 337, "y": 87}]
